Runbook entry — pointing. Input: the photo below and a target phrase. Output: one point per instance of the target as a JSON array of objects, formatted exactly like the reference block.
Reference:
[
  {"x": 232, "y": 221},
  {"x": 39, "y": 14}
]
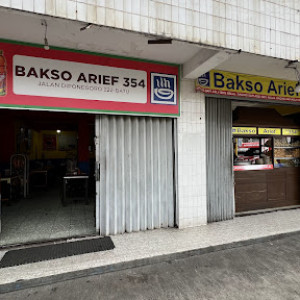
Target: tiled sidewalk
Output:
[{"x": 131, "y": 248}]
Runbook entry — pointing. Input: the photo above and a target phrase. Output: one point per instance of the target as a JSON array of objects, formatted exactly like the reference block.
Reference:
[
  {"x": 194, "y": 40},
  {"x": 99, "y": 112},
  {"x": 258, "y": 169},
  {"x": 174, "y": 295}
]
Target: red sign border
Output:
[
  {"x": 10, "y": 100},
  {"x": 244, "y": 95},
  {"x": 253, "y": 167}
]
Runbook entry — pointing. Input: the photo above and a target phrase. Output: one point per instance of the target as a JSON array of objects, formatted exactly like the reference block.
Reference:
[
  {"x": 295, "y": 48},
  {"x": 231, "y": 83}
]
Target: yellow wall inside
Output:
[{"x": 37, "y": 152}]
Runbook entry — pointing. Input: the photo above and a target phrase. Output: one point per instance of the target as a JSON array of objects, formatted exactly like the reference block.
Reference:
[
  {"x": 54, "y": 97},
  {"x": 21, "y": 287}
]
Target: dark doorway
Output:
[{"x": 47, "y": 176}]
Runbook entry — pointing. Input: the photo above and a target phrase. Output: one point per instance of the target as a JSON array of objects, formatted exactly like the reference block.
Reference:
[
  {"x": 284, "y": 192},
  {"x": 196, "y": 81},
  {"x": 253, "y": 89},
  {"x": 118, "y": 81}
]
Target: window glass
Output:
[{"x": 286, "y": 152}]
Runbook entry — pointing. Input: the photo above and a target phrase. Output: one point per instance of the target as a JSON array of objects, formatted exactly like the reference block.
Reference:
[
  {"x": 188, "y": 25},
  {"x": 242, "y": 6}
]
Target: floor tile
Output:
[{"x": 42, "y": 217}]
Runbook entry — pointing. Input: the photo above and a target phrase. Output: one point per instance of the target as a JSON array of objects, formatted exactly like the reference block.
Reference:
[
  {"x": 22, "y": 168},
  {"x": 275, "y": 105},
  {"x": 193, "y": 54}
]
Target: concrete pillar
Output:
[{"x": 191, "y": 207}]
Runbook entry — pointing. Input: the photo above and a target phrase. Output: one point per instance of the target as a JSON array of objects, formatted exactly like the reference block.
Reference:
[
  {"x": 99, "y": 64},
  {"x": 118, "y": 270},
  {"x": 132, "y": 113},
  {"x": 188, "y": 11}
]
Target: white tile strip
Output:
[{"x": 262, "y": 27}]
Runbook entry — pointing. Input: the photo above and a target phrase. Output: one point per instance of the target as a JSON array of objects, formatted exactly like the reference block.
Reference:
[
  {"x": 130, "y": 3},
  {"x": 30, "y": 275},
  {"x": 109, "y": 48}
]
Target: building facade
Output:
[{"x": 159, "y": 162}]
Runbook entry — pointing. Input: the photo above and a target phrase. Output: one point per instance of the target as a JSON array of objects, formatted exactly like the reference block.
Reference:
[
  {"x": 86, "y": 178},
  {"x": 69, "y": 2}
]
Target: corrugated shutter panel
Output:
[
  {"x": 136, "y": 174},
  {"x": 220, "y": 198}
]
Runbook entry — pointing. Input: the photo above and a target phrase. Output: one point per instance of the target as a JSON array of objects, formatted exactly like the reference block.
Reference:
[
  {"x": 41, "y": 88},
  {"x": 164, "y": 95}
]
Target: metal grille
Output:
[
  {"x": 220, "y": 198},
  {"x": 136, "y": 173}
]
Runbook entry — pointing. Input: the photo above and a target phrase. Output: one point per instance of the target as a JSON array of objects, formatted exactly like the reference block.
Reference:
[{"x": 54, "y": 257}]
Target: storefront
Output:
[
  {"x": 73, "y": 116},
  {"x": 266, "y": 160},
  {"x": 253, "y": 144}
]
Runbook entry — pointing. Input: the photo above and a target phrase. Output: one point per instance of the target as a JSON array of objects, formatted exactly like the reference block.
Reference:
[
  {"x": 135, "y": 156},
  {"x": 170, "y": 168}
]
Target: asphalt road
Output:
[{"x": 269, "y": 270}]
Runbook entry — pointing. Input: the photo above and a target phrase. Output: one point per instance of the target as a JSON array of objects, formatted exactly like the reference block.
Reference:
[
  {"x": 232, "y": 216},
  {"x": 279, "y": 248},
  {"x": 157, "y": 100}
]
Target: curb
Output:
[{"x": 35, "y": 282}]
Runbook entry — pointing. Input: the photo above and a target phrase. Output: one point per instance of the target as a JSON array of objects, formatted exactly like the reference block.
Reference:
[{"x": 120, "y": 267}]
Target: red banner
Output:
[
  {"x": 253, "y": 167},
  {"x": 69, "y": 80}
]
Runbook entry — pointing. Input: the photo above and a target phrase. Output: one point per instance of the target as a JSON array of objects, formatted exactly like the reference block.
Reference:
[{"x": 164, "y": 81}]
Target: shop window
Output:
[
  {"x": 253, "y": 151},
  {"x": 286, "y": 152},
  {"x": 263, "y": 153}
]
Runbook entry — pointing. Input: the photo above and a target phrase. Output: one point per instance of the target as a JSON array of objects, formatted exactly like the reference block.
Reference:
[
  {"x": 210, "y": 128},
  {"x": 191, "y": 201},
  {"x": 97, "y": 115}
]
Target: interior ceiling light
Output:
[
  {"x": 291, "y": 65},
  {"x": 88, "y": 26},
  {"x": 160, "y": 42},
  {"x": 46, "y": 44}
]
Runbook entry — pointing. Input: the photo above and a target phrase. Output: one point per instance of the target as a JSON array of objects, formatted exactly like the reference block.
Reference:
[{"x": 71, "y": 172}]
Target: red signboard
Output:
[
  {"x": 62, "y": 79},
  {"x": 250, "y": 145},
  {"x": 49, "y": 142},
  {"x": 253, "y": 167}
]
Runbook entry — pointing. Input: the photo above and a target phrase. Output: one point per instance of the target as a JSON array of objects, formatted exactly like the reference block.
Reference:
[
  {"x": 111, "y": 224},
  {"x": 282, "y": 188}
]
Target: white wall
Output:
[
  {"x": 191, "y": 157},
  {"x": 258, "y": 26}
]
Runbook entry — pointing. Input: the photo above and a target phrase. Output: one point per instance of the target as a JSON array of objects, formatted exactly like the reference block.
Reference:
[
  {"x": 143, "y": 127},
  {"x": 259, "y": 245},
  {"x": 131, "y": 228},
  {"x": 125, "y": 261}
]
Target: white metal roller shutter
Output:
[
  {"x": 220, "y": 198},
  {"x": 136, "y": 189}
]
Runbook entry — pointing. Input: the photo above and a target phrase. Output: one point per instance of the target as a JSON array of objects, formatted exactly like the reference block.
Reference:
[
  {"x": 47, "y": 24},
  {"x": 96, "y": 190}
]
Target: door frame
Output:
[{"x": 97, "y": 171}]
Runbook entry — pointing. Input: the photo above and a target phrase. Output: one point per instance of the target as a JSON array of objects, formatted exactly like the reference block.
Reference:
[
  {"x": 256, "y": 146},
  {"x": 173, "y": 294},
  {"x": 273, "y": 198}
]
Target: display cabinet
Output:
[
  {"x": 286, "y": 151},
  {"x": 253, "y": 153}
]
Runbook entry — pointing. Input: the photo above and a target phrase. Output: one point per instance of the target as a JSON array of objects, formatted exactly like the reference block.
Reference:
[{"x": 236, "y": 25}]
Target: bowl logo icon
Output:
[
  {"x": 204, "y": 79},
  {"x": 163, "y": 88}
]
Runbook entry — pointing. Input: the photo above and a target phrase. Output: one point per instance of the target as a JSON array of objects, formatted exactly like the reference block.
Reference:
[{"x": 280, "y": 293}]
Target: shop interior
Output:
[
  {"x": 266, "y": 155},
  {"x": 47, "y": 162}
]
